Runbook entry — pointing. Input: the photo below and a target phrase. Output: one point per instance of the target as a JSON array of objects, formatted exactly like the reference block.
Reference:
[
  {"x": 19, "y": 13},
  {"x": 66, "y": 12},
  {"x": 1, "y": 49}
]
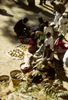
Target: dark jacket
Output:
[{"x": 19, "y": 27}]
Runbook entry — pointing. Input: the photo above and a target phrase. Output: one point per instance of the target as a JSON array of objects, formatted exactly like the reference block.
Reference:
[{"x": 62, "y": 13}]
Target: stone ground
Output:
[{"x": 10, "y": 12}]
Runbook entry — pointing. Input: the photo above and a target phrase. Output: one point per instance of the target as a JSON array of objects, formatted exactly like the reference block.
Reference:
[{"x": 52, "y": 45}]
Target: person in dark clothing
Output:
[
  {"x": 48, "y": 62},
  {"x": 42, "y": 2},
  {"x": 20, "y": 27},
  {"x": 48, "y": 54},
  {"x": 42, "y": 23},
  {"x": 50, "y": 71}
]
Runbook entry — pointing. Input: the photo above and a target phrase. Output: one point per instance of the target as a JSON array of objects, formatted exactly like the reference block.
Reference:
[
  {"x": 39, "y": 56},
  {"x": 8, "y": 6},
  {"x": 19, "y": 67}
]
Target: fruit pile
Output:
[{"x": 16, "y": 53}]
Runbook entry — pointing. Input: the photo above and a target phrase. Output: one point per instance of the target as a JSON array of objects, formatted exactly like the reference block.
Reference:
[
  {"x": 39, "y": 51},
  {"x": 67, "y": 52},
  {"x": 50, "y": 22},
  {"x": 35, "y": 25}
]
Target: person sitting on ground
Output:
[
  {"x": 41, "y": 68},
  {"x": 26, "y": 65},
  {"x": 20, "y": 26},
  {"x": 49, "y": 68},
  {"x": 45, "y": 64},
  {"x": 47, "y": 55},
  {"x": 40, "y": 32},
  {"x": 40, "y": 36},
  {"x": 48, "y": 40},
  {"x": 24, "y": 38},
  {"x": 42, "y": 23},
  {"x": 28, "y": 62},
  {"x": 32, "y": 43}
]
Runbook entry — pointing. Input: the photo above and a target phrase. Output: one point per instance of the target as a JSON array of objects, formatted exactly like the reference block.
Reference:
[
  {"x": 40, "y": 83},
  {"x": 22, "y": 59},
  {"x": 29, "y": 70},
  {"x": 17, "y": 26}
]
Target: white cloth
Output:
[
  {"x": 65, "y": 58},
  {"x": 56, "y": 19},
  {"x": 62, "y": 26},
  {"x": 48, "y": 29},
  {"x": 65, "y": 63},
  {"x": 26, "y": 60},
  {"x": 50, "y": 41},
  {"x": 46, "y": 42}
]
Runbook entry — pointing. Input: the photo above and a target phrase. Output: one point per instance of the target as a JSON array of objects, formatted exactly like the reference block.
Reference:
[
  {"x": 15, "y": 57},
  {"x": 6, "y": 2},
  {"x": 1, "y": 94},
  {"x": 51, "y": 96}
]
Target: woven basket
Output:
[
  {"x": 4, "y": 79},
  {"x": 25, "y": 70},
  {"x": 14, "y": 76}
]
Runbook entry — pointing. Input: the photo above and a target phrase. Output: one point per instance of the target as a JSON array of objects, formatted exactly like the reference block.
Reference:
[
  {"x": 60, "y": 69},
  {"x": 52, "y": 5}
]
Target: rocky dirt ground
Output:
[{"x": 10, "y": 12}]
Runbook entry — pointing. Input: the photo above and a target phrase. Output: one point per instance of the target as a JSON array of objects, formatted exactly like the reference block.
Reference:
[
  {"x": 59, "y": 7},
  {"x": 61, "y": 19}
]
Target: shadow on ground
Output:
[
  {"x": 60, "y": 71},
  {"x": 5, "y": 13},
  {"x": 22, "y": 5},
  {"x": 35, "y": 9},
  {"x": 61, "y": 76},
  {"x": 9, "y": 35}
]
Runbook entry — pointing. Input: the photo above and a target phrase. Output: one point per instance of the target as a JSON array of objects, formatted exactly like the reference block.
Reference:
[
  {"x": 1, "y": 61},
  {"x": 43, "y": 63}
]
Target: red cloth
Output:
[
  {"x": 31, "y": 42},
  {"x": 61, "y": 44}
]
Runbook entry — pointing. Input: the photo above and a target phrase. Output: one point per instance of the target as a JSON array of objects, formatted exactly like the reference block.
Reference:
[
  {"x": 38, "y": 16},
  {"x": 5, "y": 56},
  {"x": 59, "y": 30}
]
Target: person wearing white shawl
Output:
[{"x": 65, "y": 62}]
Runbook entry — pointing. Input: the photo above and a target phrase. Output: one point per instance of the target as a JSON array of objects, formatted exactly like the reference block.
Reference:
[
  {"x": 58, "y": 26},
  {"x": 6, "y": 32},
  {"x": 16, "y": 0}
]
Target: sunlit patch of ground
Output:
[{"x": 10, "y": 13}]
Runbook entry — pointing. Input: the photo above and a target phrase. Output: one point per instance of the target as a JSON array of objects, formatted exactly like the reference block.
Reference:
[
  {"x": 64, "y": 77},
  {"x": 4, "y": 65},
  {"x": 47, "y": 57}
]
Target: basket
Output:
[
  {"x": 15, "y": 77},
  {"x": 4, "y": 79},
  {"x": 26, "y": 69}
]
